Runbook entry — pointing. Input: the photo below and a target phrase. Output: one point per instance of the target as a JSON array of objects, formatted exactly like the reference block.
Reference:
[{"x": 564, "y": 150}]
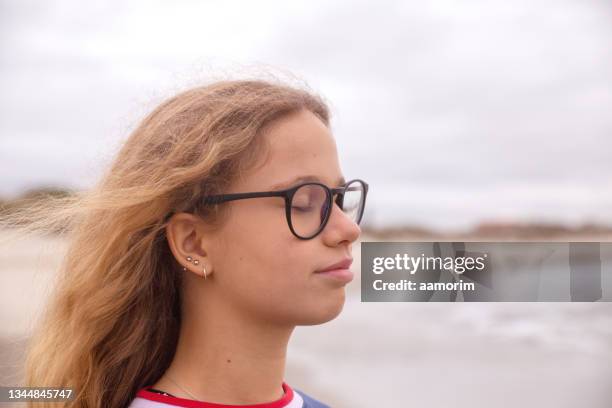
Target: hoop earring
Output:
[{"x": 204, "y": 269}]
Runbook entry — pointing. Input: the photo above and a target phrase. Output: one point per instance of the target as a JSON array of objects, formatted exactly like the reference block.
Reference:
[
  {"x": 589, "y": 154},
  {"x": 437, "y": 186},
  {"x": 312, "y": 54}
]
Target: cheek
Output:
[
  {"x": 271, "y": 268},
  {"x": 268, "y": 272},
  {"x": 260, "y": 257}
]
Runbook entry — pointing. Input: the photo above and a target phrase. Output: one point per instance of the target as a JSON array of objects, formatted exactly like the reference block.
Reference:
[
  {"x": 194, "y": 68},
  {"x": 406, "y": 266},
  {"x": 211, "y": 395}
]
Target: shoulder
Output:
[{"x": 310, "y": 402}]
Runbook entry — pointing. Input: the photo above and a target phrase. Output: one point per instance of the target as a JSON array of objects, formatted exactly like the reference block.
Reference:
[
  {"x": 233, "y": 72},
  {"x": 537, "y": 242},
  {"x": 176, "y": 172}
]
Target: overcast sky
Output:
[{"x": 454, "y": 112}]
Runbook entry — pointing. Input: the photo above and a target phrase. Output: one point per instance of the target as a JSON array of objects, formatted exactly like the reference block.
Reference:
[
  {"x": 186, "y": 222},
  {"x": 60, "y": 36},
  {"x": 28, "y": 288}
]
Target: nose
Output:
[{"x": 340, "y": 227}]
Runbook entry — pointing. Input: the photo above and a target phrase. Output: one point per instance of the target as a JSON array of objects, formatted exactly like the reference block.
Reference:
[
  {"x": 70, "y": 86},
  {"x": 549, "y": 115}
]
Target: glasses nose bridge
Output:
[
  {"x": 337, "y": 196},
  {"x": 339, "y": 200}
]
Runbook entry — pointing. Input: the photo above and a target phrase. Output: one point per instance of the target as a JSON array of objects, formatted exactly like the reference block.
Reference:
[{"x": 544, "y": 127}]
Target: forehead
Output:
[{"x": 299, "y": 144}]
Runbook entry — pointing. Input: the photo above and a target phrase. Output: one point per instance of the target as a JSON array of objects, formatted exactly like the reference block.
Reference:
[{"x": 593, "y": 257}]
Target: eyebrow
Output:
[{"x": 287, "y": 184}]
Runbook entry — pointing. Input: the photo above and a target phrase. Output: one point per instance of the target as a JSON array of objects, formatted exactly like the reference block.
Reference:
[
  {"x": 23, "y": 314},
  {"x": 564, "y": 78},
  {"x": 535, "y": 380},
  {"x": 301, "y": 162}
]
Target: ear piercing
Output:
[{"x": 195, "y": 262}]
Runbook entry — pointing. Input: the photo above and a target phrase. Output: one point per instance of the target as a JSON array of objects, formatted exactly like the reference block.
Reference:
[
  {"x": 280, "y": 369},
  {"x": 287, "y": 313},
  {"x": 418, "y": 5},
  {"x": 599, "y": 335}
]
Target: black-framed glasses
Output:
[{"x": 308, "y": 205}]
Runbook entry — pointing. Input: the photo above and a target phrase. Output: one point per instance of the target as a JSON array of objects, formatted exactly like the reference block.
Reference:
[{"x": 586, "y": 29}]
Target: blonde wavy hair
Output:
[{"x": 112, "y": 323}]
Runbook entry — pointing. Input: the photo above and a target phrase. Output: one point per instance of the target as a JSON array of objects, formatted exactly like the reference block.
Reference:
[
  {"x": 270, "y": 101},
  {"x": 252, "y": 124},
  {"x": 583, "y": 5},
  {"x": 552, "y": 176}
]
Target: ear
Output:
[{"x": 189, "y": 242}]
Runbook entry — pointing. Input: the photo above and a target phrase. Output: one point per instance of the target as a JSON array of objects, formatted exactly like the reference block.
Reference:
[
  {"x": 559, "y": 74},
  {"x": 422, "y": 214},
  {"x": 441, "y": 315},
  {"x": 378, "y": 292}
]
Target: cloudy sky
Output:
[{"x": 454, "y": 112}]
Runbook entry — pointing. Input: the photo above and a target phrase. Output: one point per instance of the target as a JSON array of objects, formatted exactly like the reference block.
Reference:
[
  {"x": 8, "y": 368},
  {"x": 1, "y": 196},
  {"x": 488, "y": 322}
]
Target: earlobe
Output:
[{"x": 196, "y": 262}]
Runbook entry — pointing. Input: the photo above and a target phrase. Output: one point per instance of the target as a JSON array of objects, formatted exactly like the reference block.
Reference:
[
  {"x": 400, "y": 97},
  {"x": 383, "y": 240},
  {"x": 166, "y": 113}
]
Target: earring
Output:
[
  {"x": 189, "y": 259},
  {"x": 195, "y": 262}
]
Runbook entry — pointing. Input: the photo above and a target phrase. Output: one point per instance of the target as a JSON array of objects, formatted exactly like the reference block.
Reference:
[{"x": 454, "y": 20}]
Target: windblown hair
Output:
[{"x": 112, "y": 323}]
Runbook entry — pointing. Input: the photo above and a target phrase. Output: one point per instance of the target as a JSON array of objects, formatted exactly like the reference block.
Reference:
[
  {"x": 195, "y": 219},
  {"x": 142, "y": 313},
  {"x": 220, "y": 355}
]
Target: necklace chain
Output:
[
  {"x": 175, "y": 383},
  {"x": 190, "y": 394}
]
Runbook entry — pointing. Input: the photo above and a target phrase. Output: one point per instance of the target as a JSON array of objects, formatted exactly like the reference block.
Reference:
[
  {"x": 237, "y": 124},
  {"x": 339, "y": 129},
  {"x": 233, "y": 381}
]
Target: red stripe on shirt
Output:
[{"x": 189, "y": 403}]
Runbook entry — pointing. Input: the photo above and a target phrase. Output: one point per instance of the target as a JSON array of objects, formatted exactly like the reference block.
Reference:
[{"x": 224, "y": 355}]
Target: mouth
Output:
[{"x": 338, "y": 271}]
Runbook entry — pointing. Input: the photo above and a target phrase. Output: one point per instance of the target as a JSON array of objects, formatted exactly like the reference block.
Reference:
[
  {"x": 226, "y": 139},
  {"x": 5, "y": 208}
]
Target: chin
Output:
[{"x": 322, "y": 312}]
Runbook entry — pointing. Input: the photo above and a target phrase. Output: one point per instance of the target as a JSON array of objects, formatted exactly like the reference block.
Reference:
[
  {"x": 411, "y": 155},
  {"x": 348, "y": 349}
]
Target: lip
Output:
[
  {"x": 343, "y": 275},
  {"x": 339, "y": 271},
  {"x": 343, "y": 264}
]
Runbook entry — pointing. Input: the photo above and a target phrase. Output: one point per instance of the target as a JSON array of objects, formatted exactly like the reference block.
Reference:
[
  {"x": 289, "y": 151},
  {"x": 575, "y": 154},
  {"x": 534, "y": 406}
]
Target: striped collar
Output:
[{"x": 290, "y": 399}]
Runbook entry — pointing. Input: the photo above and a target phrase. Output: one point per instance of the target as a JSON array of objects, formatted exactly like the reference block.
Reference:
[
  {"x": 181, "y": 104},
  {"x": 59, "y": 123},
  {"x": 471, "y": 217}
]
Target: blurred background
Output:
[{"x": 472, "y": 120}]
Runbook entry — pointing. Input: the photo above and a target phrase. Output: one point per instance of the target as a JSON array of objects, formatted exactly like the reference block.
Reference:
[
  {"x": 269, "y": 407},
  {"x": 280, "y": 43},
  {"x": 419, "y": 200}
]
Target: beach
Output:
[{"x": 391, "y": 354}]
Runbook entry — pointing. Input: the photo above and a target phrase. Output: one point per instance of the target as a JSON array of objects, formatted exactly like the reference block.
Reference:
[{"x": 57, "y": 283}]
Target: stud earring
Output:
[{"x": 189, "y": 259}]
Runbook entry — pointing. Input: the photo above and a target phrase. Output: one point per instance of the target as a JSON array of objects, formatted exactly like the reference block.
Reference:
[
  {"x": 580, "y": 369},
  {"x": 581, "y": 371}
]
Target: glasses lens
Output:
[
  {"x": 308, "y": 209},
  {"x": 352, "y": 202}
]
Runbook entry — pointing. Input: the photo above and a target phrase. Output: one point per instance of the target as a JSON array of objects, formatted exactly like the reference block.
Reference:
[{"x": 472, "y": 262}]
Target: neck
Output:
[{"x": 225, "y": 355}]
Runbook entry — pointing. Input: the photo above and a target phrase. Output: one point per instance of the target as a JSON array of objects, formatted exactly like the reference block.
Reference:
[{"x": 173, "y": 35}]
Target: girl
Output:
[{"x": 224, "y": 222}]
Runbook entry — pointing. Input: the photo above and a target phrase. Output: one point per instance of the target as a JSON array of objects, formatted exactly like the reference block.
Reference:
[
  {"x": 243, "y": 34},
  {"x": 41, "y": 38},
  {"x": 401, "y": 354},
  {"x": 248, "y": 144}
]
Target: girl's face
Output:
[{"x": 259, "y": 266}]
